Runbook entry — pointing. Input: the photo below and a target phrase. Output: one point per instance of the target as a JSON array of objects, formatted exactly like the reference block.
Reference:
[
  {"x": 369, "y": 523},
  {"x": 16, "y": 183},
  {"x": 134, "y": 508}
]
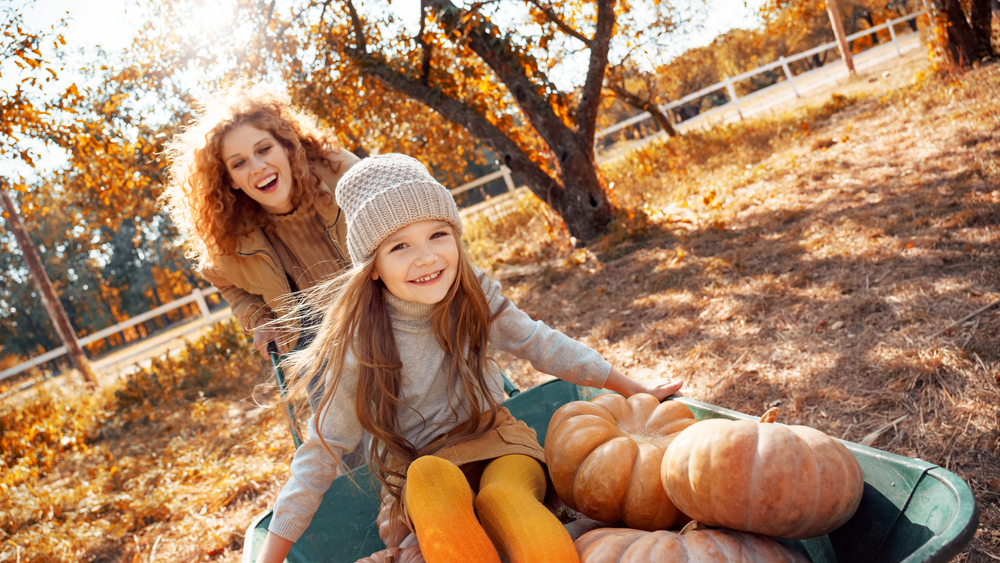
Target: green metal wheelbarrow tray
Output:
[{"x": 911, "y": 511}]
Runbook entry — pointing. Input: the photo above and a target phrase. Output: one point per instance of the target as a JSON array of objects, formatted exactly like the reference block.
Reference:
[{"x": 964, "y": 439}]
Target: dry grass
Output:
[
  {"x": 170, "y": 464},
  {"x": 815, "y": 267},
  {"x": 810, "y": 267}
]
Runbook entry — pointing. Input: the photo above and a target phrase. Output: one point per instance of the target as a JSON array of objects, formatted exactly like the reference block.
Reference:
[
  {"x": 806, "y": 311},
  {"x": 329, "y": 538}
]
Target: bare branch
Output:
[{"x": 649, "y": 105}]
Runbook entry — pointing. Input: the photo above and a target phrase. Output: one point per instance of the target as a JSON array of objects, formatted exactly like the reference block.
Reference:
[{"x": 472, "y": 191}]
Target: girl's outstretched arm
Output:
[
  {"x": 659, "y": 388},
  {"x": 274, "y": 550}
]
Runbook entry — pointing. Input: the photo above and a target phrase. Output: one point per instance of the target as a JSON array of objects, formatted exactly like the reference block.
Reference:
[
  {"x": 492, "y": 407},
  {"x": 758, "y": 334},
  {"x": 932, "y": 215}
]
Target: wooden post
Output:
[
  {"x": 44, "y": 286},
  {"x": 788, "y": 75},
  {"x": 506, "y": 178},
  {"x": 733, "y": 97},
  {"x": 838, "y": 30},
  {"x": 892, "y": 33},
  {"x": 206, "y": 314}
]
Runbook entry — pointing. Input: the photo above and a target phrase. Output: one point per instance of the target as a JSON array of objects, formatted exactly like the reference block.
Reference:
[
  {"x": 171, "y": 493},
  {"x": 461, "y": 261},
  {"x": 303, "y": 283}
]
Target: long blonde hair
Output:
[
  {"x": 356, "y": 321},
  {"x": 199, "y": 193}
]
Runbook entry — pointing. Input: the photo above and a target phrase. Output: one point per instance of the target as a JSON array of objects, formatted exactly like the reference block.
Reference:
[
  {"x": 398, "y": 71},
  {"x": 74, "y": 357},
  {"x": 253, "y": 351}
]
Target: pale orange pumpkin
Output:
[
  {"x": 622, "y": 545},
  {"x": 791, "y": 482},
  {"x": 604, "y": 457}
]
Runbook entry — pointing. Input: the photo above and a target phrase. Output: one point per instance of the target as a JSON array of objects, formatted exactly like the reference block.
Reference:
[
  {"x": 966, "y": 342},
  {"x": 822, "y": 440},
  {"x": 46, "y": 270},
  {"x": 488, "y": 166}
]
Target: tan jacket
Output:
[{"x": 253, "y": 280}]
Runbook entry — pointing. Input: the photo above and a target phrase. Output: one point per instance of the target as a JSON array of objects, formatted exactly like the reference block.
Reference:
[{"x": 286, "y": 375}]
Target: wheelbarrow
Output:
[{"x": 911, "y": 511}]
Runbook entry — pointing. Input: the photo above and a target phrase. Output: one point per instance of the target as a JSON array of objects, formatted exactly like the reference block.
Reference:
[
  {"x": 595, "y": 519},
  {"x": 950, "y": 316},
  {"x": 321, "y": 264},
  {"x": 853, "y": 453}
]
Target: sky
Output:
[{"x": 111, "y": 23}]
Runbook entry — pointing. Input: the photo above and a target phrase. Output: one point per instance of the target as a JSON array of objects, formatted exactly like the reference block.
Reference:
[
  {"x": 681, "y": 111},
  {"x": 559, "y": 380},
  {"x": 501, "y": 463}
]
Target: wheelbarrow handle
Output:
[{"x": 279, "y": 374}]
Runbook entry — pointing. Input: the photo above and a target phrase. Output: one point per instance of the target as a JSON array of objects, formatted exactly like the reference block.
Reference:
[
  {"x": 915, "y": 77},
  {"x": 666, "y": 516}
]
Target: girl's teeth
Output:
[{"x": 428, "y": 278}]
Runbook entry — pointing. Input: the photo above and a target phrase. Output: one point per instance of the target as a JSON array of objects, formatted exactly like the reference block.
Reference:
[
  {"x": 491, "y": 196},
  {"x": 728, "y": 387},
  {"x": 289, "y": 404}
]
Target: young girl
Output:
[
  {"x": 252, "y": 185},
  {"x": 406, "y": 361}
]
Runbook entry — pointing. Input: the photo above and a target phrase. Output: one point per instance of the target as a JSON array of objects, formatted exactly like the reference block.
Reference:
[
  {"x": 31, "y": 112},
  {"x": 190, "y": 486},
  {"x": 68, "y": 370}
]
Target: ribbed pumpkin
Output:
[
  {"x": 604, "y": 457},
  {"x": 621, "y": 545},
  {"x": 791, "y": 482}
]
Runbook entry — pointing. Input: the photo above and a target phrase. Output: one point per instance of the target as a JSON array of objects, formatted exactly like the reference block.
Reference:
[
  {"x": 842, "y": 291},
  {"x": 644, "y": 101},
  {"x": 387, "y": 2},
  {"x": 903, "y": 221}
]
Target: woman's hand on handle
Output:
[
  {"x": 660, "y": 388},
  {"x": 264, "y": 331}
]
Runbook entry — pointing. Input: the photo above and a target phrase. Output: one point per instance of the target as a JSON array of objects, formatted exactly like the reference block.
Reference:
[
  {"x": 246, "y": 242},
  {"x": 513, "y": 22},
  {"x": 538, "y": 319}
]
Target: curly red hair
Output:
[{"x": 199, "y": 194}]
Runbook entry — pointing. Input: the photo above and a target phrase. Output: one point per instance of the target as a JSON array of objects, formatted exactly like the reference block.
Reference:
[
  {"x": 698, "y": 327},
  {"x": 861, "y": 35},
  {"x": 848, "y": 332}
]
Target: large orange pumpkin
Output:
[
  {"x": 786, "y": 481},
  {"x": 604, "y": 457},
  {"x": 621, "y": 545}
]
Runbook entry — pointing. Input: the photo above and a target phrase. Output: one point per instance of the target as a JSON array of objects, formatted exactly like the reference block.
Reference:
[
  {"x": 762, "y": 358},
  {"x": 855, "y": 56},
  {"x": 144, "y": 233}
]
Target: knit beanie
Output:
[{"x": 382, "y": 194}]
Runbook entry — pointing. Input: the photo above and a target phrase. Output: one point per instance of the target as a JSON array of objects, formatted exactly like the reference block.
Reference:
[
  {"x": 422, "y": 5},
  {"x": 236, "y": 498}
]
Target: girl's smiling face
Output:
[
  {"x": 419, "y": 262},
  {"x": 258, "y": 164}
]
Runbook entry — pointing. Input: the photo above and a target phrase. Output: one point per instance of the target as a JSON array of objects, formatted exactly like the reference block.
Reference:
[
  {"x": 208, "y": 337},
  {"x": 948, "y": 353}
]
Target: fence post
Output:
[
  {"x": 892, "y": 33},
  {"x": 506, "y": 177},
  {"x": 788, "y": 75},
  {"x": 732, "y": 96},
  {"x": 206, "y": 315}
]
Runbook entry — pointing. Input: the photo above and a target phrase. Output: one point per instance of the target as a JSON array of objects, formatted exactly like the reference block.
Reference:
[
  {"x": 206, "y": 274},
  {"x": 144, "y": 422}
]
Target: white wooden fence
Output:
[
  {"x": 782, "y": 62},
  {"x": 197, "y": 296}
]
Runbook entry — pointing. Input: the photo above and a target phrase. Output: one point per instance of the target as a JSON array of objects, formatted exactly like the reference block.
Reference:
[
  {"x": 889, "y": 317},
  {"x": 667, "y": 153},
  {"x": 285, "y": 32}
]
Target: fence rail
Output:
[
  {"x": 782, "y": 62},
  {"x": 197, "y": 296}
]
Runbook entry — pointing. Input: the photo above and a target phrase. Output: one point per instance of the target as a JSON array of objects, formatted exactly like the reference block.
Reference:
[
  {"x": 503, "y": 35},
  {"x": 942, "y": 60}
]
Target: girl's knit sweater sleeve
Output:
[
  {"x": 314, "y": 466},
  {"x": 548, "y": 350}
]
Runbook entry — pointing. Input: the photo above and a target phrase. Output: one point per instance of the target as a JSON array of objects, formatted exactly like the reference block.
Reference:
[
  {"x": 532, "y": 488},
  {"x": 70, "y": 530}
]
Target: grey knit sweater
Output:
[{"x": 425, "y": 382}]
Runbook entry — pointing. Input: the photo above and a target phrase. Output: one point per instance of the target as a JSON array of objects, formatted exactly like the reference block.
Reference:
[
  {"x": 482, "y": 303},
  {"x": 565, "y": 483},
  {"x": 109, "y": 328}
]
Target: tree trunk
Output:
[
  {"x": 838, "y": 30},
  {"x": 962, "y": 48},
  {"x": 982, "y": 17},
  {"x": 44, "y": 286}
]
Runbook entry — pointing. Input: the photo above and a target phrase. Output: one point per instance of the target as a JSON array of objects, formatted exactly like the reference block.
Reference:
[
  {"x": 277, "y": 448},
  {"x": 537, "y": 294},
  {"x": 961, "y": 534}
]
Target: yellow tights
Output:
[{"x": 440, "y": 504}]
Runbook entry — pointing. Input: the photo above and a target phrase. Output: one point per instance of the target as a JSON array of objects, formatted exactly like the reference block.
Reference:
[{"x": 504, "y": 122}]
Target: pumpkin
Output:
[
  {"x": 510, "y": 508},
  {"x": 604, "y": 457},
  {"x": 440, "y": 504},
  {"x": 622, "y": 545},
  {"x": 791, "y": 482}
]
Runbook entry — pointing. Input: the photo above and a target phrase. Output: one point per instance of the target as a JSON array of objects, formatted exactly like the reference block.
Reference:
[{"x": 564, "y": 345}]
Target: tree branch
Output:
[
  {"x": 359, "y": 31},
  {"x": 590, "y": 97},
  {"x": 563, "y": 26},
  {"x": 484, "y": 39},
  {"x": 453, "y": 110},
  {"x": 426, "y": 49},
  {"x": 646, "y": 105}
]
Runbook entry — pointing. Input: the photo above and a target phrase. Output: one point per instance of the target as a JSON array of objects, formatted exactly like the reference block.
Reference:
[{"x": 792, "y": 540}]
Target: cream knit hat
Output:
[{"x": 382, "y": 194}]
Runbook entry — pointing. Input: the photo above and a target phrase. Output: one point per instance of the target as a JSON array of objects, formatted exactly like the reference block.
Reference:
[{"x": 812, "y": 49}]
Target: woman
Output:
[{"x": 252, "y": 186}]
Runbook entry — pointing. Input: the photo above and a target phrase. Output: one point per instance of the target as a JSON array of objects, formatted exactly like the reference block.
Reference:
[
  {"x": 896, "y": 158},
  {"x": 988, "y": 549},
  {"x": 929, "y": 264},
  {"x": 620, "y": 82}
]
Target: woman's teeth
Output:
[
  {"x": 266, "y": 181},
  {"x": 428, "y": 278}
]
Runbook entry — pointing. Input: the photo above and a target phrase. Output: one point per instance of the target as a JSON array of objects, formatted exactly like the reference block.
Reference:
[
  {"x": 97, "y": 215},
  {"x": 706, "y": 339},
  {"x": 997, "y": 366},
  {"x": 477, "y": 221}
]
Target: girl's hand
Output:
[
  {"x": 264, "y": 331},
  {"x": 659, "y": 388},
  {"x": 274, "y": 550}
]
